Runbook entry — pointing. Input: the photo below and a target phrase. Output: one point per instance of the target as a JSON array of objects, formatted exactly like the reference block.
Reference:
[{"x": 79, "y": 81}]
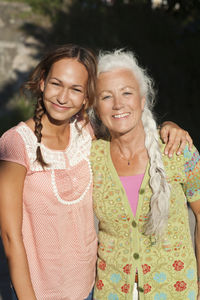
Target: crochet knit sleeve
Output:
[{"x": 12, "y": 147}]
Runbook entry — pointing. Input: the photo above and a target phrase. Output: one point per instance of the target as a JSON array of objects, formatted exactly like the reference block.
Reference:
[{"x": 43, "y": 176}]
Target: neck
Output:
[
  {"x": 54, "y": 128},
  {"x": 129, "y": 144}
]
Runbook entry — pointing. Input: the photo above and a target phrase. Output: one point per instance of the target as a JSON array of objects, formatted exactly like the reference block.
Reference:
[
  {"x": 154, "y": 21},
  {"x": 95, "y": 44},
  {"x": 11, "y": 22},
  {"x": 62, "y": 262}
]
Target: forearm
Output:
[
  {"x": 197, "y": 248},
  {"x": 196, "y": 210},
  {"x": 18, "y": 267},
  {"x": 12, "y": 177}
]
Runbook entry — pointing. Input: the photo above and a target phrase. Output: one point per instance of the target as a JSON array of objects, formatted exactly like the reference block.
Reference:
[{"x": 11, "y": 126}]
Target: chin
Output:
[{"x": 121, "y": 132}]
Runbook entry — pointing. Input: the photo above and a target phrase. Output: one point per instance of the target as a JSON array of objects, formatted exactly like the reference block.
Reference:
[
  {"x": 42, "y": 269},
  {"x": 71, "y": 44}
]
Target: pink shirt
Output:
[
  {"x": 58, "y": 222},
  {"x": 132, "y": 185}
]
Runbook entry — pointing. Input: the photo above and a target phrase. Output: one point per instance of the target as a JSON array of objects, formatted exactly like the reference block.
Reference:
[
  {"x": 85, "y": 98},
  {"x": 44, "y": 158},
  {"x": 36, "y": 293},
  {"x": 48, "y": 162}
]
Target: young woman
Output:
[
  {"x": 46, "y": 215},
  {"x": 145, "y": 247},
  {"x": 46, "y": 211}
]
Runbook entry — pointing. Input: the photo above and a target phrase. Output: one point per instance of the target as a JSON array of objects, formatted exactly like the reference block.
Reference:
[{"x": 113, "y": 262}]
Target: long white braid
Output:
[
  {"x": 158, "y": 215},
  {"x": 159, "y": 204}
]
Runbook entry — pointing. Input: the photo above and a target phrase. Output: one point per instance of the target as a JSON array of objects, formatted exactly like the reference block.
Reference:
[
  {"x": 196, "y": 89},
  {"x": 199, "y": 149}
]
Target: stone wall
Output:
[{"x": 19, "y": 50}]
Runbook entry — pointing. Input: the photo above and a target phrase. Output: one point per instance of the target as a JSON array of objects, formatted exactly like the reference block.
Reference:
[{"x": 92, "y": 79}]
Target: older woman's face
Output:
[{"x": 119, "y": 103}]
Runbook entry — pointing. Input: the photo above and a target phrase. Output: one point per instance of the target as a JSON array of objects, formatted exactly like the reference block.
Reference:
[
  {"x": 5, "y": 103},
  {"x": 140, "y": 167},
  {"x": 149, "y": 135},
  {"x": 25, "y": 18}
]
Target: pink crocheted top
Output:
[{"x": 132, "y": 185}]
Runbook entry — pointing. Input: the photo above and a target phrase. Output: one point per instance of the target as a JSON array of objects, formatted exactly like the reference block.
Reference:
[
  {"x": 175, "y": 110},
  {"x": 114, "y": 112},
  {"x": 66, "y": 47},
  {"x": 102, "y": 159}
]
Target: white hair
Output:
[{"x": 158, "y": 214}]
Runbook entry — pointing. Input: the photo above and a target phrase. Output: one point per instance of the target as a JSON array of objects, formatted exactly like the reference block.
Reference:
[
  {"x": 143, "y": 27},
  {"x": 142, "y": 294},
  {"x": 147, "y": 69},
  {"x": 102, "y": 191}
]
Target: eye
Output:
[
  {"x": 127, "y": 93},
  {"x": 55, "y": 83},
  {"x": 77, "y": 90},
  {"x": 106, "y": 97}
]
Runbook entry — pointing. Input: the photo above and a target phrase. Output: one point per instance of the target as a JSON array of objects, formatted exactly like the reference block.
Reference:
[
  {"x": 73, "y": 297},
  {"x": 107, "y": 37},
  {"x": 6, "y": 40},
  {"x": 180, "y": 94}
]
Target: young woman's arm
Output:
[
  {"x": 175, "y": 138},
  {"x": 196, "y": 209},
  {"x": 12, "y": 176}
]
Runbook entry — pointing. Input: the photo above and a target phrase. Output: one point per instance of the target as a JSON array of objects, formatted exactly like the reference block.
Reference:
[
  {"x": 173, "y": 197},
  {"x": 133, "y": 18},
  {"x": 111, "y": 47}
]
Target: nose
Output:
[
  {"x": 62, "y": 97},
  {"x": 117, "y": 102}
]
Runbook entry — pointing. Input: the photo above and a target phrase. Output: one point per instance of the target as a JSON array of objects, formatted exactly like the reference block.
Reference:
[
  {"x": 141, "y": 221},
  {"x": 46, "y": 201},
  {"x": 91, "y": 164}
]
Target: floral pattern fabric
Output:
[{"x": 167, "y": 267}]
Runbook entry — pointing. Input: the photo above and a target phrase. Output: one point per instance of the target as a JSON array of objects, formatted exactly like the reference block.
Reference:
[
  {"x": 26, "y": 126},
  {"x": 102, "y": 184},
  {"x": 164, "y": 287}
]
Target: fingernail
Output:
[
  {"x": 166, "y": 152},
  {"x": 178, "y": 153},
  {"x": 170, "y": 155}
]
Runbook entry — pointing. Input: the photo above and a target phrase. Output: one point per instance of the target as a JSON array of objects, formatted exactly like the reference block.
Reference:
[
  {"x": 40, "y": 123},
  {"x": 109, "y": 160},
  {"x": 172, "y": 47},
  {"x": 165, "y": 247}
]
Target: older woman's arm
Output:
[
  {"x": 196, "y": 209},
  {"x": 175, "y": 138}
]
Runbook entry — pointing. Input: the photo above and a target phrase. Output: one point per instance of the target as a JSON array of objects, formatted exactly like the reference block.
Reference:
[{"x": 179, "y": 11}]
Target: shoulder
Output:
[
  {"x": 30, "y": 123},
  {"x": 183, "y": 164},
  {"x": 99, "y": 147},
  {"x": 89, "y": 129},
  {"x": 97, "y": 144},
  {"x": 80, "y": 129},
  {"x": 184, "y": 158},
  {"x": 191, "y": 159},
  {"x": 98, "y": 151},
  {"x": 12, "y": 146},
  {"x": 11, "y": 135}
]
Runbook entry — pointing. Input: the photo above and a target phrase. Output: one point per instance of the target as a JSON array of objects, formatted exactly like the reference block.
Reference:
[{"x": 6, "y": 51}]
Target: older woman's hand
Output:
[{"x": 175, "y": 138}]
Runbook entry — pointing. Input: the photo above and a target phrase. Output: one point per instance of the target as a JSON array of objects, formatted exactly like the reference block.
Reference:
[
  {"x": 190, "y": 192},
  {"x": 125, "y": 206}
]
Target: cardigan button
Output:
[
  {"x": 136, "y": 255},
  {"x": 141, "y": 191},
  {"x": 140, "y": 289},
  {"x": 134, "y": 224}
]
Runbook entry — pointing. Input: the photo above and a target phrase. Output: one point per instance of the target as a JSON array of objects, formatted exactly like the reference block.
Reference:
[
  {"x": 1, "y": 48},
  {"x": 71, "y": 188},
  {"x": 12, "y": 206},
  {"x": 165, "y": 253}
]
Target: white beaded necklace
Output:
[
  {"x": 55, "y": 190},
  {"x": 53, "y": 181}
]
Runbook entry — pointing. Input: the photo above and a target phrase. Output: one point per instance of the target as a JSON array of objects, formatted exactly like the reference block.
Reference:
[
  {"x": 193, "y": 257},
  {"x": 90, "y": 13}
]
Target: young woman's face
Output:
[
  {"x": 64, "y": 90},
  {"x": 119, "y": 102}
]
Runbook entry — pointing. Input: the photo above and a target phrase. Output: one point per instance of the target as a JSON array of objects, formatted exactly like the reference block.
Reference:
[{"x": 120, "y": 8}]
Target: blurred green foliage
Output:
[
  {"x": 18, "y": 109},
  {"x": 42, "y": 6}
]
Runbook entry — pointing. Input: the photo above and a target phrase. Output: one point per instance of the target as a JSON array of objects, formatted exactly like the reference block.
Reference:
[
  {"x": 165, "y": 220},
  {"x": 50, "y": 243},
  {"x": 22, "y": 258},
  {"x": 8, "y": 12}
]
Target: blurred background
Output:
[{"x": 165, "y": 36}]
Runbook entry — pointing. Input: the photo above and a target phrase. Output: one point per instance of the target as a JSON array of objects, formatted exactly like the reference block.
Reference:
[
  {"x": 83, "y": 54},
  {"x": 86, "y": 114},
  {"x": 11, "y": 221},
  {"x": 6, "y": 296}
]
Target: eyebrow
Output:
[
  {"x": 74, "y": 85},
  {"x": 127, "y": 86},
  {"x": 55, "y": 78},
  {"x": 77, "y": 85},
  {"x": 123, "y": 88}
]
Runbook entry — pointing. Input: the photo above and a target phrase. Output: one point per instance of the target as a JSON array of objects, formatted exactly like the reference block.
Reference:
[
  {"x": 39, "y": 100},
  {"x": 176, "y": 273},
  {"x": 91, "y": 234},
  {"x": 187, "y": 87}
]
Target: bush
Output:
[
  {"x": 19, "y": 109},
  {"x": 41, "y": 6}
]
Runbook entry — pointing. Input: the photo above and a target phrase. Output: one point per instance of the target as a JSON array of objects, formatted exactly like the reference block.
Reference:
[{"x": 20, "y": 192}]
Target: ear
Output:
[
  {"x": 42, "y": 85},
  {"x": 85, "y": 101},
  {"x": 143, "y": 101}
]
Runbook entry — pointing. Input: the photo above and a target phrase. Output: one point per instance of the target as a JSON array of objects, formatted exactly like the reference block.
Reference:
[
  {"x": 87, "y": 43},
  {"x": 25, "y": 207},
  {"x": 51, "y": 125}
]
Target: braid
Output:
[
  {"x": 39, "y": 112},
  {"x": 158, "y": 215}
]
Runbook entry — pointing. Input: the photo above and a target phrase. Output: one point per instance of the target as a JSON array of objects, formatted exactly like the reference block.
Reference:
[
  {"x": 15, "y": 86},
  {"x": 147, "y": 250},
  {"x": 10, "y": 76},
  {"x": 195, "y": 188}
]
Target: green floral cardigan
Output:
[{"x": 166, "y": 268}]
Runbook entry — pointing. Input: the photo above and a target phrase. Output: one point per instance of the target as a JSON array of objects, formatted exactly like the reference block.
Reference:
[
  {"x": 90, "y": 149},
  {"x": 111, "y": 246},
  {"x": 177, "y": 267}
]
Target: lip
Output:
[
  {"x": 121, "y": 116},
  {"x": 60, "y": 107}
]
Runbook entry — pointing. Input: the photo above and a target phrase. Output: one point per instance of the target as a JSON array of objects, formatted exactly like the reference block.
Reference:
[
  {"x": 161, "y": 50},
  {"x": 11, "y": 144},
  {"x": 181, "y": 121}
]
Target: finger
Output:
[
  {"x": 181, "y": 147},
  {"x": 164, "y": 133},
  {"x": 170, "y": 142},
  {"x": 183, "y": 141},
  {"x": 189, "y": 140},
  {"x": 174, "y": 146}
]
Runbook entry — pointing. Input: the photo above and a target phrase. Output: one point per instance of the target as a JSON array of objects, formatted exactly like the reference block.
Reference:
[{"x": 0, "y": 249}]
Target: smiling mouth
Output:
[
  {"x": 60, "y": 106},
  {"x": 120, "y": 116}
]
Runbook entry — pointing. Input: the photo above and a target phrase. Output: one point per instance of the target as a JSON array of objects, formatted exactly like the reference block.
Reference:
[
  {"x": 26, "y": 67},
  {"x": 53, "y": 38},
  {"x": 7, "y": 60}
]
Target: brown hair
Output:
[{"x": 83, "y": 55}]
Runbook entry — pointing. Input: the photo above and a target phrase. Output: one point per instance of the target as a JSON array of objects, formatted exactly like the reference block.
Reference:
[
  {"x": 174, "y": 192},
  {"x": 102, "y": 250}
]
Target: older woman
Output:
[{"x": 140, "y": 194}]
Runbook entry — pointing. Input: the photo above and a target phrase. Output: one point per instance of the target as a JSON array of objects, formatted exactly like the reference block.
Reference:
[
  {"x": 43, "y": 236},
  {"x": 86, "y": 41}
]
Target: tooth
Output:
[{"x": 121, "y": 115}]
